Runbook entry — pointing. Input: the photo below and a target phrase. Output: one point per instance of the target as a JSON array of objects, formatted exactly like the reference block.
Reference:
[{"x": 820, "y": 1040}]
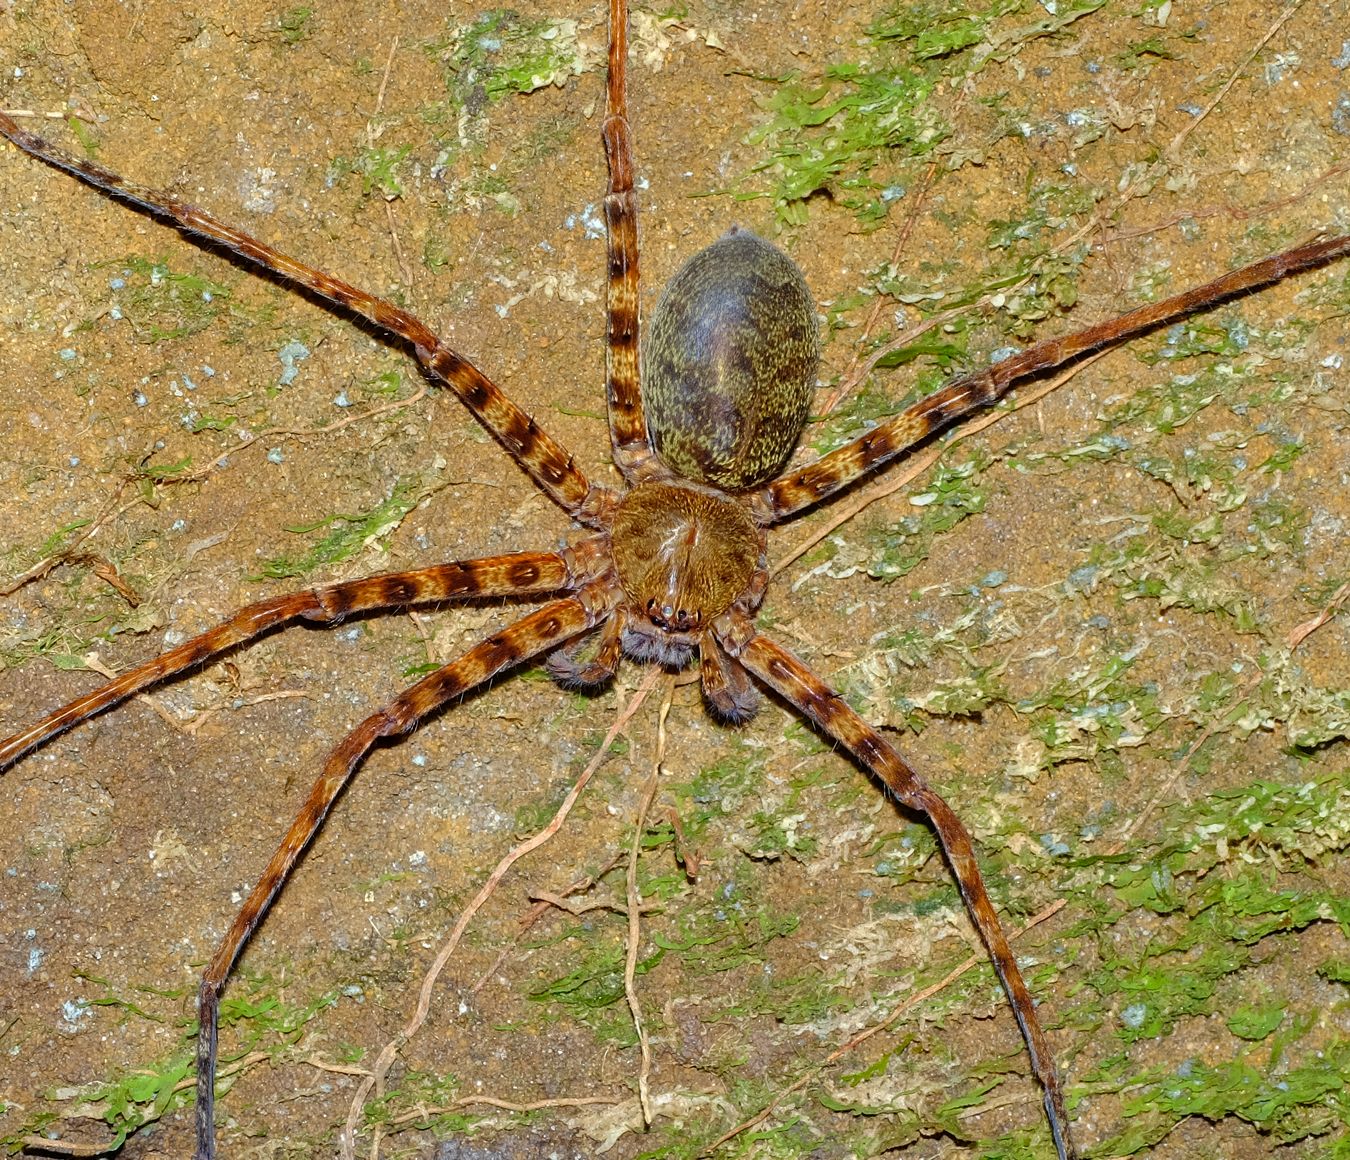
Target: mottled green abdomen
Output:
[{"x": 730, "y": 362}]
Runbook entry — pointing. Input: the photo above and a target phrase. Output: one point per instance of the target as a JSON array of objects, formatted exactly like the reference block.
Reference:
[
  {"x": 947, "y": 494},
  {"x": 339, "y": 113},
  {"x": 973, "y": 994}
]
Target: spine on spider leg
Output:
[
  {"x": 982, "y": 388},
  {"x": 522, "y": 573},
  {"x": 550, "y": 464},
  {"x": 550, "y": 626},
  {"x": 627, "y": 424},
  {"x": 792, "y": 680}
]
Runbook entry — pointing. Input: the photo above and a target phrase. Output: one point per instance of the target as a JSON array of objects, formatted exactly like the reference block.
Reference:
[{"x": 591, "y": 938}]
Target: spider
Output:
[{"x": 669, "y": 631}]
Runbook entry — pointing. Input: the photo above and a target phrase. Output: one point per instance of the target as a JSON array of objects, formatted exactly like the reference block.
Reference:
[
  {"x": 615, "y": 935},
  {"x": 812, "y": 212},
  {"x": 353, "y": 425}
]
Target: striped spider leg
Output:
[
  {"x": 791, "y": 679},
  {"x": 799, "y": 489},
  {"x": 520, "y": 575}
]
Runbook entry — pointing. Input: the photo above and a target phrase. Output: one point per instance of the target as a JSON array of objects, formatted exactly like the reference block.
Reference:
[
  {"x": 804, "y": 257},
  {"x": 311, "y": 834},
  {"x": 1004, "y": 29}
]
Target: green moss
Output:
[
  {"x": 502, "y": 52},
  {"x": 252, "y": 1016},
  {"x": 420, "y": 1101},
  {"x": 296, "y": 24},
  {"x": 954, "y": 493},
  {"x": 162, "y": 304},
  {"x": 347, "y": 534},
  {"x": 377, "y": 167},
  {"x": 860, "y": 132}
]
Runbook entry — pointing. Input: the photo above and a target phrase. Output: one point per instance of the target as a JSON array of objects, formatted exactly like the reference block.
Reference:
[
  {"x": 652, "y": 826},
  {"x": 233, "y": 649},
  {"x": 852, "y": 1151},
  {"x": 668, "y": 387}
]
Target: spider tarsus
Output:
[
  {"x": 577, "y": 676},
  {"x": 208, "y": 1035},
  {"x": 731, "y": 710}
]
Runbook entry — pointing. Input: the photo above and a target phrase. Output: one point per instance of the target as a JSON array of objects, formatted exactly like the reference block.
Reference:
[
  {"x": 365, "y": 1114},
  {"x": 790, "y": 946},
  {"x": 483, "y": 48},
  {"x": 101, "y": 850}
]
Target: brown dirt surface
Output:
[{"x": 1136, "y": 549}]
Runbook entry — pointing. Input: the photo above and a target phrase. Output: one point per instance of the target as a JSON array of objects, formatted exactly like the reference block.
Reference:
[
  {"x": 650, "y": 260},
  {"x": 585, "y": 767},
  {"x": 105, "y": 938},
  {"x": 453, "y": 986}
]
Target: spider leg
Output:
[
  {"x": 519, "y": 574},
  {"x": 627, "y": 425},
  {"x": 550, "y": 625},
  {"x": 544, "y": 459},
  {"x": 800, "y": 489},
  {"x": 793, "y": 681}
]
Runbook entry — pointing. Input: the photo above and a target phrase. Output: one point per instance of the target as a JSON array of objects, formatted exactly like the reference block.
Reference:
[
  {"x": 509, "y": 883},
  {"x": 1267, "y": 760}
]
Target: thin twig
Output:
[
  {"x": 108, "y": 512},
  {"x": 1300, "y": 632},
  {"x": 1174, "y": 146},
  {"x": 634, "y": 938},
  {"x": 301, "y": 432},
  {"x": 425, "y": 1113}
]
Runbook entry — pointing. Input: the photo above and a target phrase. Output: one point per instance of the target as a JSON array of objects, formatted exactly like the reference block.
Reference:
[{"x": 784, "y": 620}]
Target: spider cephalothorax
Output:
[
  {"x": 671, "y": 567},
  {"x": 684, "y": 555}
]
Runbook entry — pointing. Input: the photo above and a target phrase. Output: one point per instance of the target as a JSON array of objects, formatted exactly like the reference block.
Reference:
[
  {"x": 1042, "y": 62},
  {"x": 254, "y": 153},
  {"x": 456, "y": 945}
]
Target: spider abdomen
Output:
[{"x": 729, "y": 363}]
